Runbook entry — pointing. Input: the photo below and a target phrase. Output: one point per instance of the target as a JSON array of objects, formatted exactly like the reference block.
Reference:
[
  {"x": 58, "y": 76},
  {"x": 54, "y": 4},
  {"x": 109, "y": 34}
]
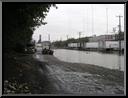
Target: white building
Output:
[
  {"x": 46, "y": 44},
  {"x": 91, "y": 45}
]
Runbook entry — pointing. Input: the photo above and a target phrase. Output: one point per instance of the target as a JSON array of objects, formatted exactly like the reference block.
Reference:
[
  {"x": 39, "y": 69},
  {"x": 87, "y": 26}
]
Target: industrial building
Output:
[
  {"x": 100, "y": 45},
  {"x": 102, "y": 42}
]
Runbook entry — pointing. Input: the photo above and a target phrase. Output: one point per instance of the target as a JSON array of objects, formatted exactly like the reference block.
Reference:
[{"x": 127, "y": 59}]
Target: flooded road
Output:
[
  {"x": 112, "y": 61},
  {"x": 79, "y": 79}
]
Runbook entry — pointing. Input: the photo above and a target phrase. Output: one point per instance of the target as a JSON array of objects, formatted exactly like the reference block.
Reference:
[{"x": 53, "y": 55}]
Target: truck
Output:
[{"x": 46, "y": 48}]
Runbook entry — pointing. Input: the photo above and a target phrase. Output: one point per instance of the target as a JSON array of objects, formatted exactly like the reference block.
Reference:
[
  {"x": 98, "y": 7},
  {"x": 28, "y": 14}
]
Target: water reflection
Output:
[{"x": 113, "y": 61}]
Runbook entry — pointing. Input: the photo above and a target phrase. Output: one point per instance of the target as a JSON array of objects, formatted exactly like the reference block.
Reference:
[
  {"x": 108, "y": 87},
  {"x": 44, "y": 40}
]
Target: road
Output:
[{"x": 74, "y": 78}]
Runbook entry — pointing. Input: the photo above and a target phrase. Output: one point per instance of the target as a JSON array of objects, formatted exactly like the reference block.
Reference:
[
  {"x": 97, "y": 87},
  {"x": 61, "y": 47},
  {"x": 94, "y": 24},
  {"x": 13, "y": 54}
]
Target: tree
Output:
[{"x": 20, "y": 20}]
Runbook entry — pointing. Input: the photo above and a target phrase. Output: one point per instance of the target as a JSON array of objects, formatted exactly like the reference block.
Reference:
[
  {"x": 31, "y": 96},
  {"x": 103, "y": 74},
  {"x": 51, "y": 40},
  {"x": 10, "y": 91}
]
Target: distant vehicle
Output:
[
  {"x": 47, "y": 51},
  {"x": 46, "y": 45},
  {"x": 30, "y": 50}
]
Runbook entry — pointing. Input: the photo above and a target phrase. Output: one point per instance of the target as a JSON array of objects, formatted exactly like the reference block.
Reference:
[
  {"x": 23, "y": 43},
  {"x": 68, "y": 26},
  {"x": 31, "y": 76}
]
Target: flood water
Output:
[{"x": 112, "y": 61}]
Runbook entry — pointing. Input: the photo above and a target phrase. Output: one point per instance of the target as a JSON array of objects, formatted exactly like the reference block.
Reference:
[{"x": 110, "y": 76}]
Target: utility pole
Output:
[
  {"x": 107, "y": 18},
  {"x": 39, "y": 41},
  {"x": 92, "y": 21},
  {"x": 119, "y": 35},
  {"x": 49, "y": 37},
  {"x": 79, "y": 38},
  {"x": 67, "y": 37},
  {"x": 79, "y": 35},
  {"x": 114, "y": 30},
  {"x": 67, "y": 41},
  {"x": 83, "y": 20},
  {"x": 87, "y": 19}
]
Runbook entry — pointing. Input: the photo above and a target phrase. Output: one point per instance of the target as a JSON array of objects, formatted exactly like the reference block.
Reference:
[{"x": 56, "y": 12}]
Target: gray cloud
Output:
[{"x": 69, "y": 19}]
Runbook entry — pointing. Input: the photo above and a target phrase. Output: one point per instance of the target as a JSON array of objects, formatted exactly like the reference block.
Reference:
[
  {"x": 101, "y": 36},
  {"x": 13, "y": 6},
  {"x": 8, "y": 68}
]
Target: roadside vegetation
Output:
[{"x": 19, "y": 22}]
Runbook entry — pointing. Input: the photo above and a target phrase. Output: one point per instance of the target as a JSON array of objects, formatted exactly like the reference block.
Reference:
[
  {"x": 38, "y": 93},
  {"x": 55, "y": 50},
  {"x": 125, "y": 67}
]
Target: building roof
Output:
[{"x": 46, "y": 42}]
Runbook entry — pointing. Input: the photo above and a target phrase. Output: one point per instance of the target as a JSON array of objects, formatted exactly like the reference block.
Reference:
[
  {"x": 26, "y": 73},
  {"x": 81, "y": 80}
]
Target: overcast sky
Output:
[{"x": 90, "y": 19}]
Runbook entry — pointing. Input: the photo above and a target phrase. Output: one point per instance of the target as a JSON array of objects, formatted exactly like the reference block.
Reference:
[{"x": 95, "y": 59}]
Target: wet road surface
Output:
[
  {"x": 71, "y": 78},
  {"x": 107, "y": 60}
]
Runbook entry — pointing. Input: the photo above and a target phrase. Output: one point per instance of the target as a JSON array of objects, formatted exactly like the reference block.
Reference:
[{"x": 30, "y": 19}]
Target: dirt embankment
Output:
[{"x": 21, "y": 75}]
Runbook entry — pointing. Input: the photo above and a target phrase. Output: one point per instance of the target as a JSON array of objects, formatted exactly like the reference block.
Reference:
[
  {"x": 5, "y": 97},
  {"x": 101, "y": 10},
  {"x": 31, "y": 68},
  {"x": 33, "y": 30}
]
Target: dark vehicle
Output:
[
  {"x": 30, "y": 50},
  {"x": 47, "y": 51}
]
